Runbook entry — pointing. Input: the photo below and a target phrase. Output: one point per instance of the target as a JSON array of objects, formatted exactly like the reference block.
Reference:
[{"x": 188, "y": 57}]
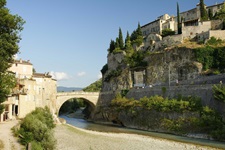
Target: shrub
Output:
[
  {"x": 36, "y": 129},
  {"x": 104, "y": 69},
  {"x": 214, "y": 41},
  {"x": 167, "y": 32},
  {"x": 219, "y": 92}
]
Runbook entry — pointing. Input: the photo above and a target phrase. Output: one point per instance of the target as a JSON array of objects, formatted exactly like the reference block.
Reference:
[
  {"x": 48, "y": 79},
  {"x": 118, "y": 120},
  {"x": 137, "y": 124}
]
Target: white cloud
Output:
[
  {"x": 59, "y": 75},
  {"x": 81, "y": 74}
]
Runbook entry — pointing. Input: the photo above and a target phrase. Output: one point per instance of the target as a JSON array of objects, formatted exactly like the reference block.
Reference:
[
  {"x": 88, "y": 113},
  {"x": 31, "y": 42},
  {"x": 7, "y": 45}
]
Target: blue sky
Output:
[{"x": 70, "y": 38}]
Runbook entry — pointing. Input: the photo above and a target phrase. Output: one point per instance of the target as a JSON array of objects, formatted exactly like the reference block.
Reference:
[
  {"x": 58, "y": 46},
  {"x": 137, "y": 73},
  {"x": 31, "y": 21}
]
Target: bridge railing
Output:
[{"x": 77, "y": 93}]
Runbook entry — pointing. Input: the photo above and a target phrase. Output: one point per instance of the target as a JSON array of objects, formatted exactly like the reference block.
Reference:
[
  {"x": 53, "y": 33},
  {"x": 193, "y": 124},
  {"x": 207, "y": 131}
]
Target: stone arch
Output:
[
  {"x": 89, "y": 97},
  {"x": 89, "y": 108}
]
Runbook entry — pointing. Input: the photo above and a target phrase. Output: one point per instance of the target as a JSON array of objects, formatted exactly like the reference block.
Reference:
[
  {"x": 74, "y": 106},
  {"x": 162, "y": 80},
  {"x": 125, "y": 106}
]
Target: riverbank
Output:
[{"x": 72, "y": 138}]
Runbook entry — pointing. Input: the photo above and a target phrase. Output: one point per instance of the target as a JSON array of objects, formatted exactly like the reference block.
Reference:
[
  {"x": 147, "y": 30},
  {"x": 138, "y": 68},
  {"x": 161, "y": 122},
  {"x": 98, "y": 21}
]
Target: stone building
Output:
[
  {"x": 189, "y": 18},
  {"x": 32, "y": 90}
]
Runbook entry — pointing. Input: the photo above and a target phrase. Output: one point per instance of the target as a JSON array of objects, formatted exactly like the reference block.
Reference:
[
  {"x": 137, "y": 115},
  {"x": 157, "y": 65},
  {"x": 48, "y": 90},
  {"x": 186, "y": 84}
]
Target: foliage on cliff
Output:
[
  {"x": 136, "y": 59},
  {"x": 10, "y": 26},
  {"x": 36, "y": 128},
  {"x": 191, "y": 115},
  {"x": 212, "y": 55},
  {"x": 94, "y": 87},
  {"x": 219, "y": 92}
]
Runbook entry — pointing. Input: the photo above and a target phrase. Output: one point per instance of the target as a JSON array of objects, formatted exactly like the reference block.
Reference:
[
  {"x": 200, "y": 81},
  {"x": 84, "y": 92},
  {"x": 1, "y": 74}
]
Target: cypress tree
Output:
[
  {"x": 121, "y": 43},
  {"x": 111, "y": 46},
  {"x": 203, "y": 12},
  {"x": 210, "y": 14},
  {"x": 179, "y": 25},
  {"x": 139, "y": 32}
]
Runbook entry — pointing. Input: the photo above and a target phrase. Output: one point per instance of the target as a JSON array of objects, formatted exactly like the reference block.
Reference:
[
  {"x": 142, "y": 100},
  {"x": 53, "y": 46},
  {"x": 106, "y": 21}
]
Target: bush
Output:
[
  {"x": 167, "y": 32},
  {"x": 104, "y": 69},
  {"x": 219, "y": 92},
  {"x": 36, "y": 129},
  {"x": 214, "y": 41}
]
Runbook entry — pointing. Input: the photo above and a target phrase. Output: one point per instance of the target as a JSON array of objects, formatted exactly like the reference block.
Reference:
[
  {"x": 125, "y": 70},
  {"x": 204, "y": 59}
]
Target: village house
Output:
[{"x": 32, "y": 90}]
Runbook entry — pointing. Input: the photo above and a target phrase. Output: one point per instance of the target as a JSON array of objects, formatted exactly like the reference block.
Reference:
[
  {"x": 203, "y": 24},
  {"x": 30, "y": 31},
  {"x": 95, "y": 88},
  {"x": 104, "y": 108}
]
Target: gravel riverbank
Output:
[{"x": 72, "y": 138}]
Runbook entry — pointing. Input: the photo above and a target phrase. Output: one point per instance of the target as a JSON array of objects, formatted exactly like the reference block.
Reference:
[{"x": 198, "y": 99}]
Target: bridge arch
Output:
[{"x": 90, "y": 97}]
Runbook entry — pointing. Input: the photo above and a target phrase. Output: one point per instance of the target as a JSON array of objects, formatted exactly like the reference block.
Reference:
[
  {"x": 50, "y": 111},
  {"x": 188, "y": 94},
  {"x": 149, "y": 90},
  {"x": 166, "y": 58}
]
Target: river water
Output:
[{"x": 81, "y": 123}]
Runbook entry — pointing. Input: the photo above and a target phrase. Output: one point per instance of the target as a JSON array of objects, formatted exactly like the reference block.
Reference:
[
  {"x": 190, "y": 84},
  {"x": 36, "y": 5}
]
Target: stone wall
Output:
[
  {"x": 190, "y": 32},
  {"x": 219, "y": 34},
  {"x": 202, "y": 91}
]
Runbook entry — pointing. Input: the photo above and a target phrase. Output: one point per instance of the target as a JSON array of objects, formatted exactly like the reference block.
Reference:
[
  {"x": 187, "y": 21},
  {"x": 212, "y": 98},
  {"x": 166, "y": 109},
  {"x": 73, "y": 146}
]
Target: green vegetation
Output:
[
  {"x": 199, "y": 119},
  {"x": 211, "y": 56},
  {"x": 179, "y": 25},
  {"x": 221, "y": 13},
  {"x": 121, "y": 43},
  {"x": 36, "y": 128},
  {"x": 104, "y": 69},
  {"x": 167, "y": 32},
  {"x": 118, "y": 45},
  {"x": 159, "y": 103},
  {"x": 10, "y": 26},
  {"x": 136, "y": 59},
  {"x": 219, "y": 92},
  {"x": 124, "y": 92},
  {"x": 203, "y": 11},
  {"x": 94, "y": 87},
  {"x": 136, "y": 36}
]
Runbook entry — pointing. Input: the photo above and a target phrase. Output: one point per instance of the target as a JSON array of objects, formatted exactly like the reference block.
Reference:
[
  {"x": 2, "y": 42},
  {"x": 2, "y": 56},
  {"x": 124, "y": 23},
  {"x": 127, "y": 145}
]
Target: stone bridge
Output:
[{"x": 90, "y": 97}]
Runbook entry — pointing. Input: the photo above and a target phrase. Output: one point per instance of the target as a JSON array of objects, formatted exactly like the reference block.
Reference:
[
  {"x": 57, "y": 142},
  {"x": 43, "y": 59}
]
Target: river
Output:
[{"x": 81, "y": 123}]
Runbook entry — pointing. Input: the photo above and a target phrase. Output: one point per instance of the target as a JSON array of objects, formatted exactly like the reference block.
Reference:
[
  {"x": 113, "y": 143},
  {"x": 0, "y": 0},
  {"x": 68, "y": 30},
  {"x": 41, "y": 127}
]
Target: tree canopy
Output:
[{"x": 10, "y": 26}]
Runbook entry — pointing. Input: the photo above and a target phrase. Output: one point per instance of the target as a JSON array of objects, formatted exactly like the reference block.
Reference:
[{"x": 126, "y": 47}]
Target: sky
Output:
[{"x": 70, "y": 38}]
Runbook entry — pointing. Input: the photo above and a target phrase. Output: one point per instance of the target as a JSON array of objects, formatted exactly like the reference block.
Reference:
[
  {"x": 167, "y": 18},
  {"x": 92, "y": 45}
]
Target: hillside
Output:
[{"x": 68, "y": 89}]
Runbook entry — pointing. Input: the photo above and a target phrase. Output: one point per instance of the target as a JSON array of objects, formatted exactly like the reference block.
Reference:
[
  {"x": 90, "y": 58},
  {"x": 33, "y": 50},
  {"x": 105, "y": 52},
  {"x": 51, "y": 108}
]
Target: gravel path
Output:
[
  {"x": 6, "y": 136},
  {"x": 71, "y": 138}
]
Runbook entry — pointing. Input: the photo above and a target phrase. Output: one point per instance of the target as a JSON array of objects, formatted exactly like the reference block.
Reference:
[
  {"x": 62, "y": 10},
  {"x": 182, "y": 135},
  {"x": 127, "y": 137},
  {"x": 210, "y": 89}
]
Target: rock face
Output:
[{"x": 166, "y": 66}]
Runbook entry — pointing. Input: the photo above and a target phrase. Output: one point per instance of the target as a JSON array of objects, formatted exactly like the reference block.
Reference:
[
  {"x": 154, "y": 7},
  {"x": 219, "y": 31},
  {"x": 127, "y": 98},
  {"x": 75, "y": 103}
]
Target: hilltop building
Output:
[
  {"x": 191, "y": 26},
  {"x": 32, "y": 90}
]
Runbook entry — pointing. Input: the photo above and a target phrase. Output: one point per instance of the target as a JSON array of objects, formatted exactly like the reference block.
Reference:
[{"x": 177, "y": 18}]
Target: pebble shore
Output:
[{"x": 72, "y": 138}]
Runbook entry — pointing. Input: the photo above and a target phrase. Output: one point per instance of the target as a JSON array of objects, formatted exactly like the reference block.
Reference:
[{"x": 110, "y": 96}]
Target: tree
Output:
[
  {"x": 136, "y": 36},
  {"x": 10, "y": 26},
  {"x": 121, "y": 43},
  {"x": 221, "y": 13},
  {"x": 128, "y": 47},
  {"x": 203, "y": 12},
  {"x": 111, "y": 46},
  {"x": 179, "y": 25},
  {"x": 210, "y": 14}
]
